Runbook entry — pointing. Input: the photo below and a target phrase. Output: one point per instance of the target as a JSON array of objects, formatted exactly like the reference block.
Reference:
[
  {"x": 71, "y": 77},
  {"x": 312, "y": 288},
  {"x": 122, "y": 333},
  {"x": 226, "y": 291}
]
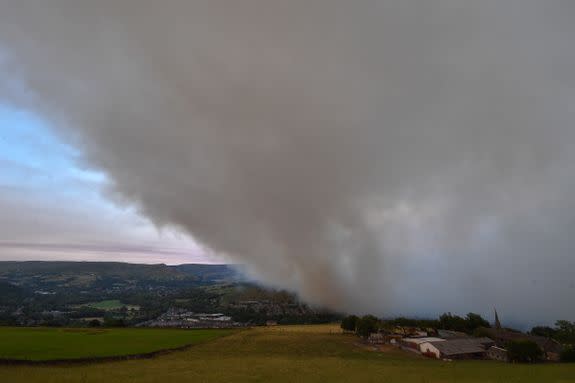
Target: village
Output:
[
  {"x": 486, "y": 343},
  {"x": 182, "y": 318}
]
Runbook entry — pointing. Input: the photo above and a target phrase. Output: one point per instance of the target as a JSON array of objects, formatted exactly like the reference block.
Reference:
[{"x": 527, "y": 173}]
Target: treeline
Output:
[
  {"x": 258, "y": 318},
  {"x": 365, "y": 325},
  {"x": 563, "y": 332}
]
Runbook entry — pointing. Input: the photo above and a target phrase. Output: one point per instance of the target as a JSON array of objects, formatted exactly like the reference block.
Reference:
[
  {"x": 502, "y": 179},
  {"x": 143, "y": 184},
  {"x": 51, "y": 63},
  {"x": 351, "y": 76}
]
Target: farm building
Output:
[
  {"x": 409, "y": 331},
  {"x": 412, "y": 344},
  {"x": 376, "y": 338},
  {"x": 379, "y": 338},
  {"x": 456, "y": 348}
]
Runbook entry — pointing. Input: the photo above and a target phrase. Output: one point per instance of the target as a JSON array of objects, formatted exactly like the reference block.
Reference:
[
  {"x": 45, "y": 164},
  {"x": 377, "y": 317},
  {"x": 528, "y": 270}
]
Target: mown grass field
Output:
[
  {"x": 53, "y": 343},
  {"x": 289, "y": 354}
]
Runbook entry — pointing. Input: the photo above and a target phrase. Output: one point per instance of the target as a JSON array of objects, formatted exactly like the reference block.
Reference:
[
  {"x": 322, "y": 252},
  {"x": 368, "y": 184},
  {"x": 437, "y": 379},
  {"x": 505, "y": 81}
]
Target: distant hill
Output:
[{"x": 200, "y": 272}]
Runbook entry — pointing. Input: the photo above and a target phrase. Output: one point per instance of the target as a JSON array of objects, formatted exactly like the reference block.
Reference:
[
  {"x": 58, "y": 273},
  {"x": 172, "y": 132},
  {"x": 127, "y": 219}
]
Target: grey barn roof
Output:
[{"x": 462, "y": 346}]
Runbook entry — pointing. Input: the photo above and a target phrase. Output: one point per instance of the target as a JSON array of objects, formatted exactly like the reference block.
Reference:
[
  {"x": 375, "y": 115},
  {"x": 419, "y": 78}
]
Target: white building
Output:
[{"x": 413, "y": 344}]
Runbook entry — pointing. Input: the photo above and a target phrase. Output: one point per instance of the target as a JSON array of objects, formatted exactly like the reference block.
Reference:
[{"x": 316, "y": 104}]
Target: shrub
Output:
[
  {"x": 568, "y": 354},
  {"x": 524, "y": 351},
  {"x": 546, "y": 331}
]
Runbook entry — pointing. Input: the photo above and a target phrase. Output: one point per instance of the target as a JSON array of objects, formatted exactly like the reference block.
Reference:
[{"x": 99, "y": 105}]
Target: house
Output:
[
  {"x": 497, "y": 353},
  {"x": 551, "y": 348},
  {"x": 471, "y": 348},
  {"x": 501, "y": 336}
]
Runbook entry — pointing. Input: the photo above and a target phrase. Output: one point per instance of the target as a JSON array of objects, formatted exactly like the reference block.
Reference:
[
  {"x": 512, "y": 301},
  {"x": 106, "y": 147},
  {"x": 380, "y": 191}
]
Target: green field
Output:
[
  {"x": 50, "y": 343},
  {"x": 290, "y": 354}
]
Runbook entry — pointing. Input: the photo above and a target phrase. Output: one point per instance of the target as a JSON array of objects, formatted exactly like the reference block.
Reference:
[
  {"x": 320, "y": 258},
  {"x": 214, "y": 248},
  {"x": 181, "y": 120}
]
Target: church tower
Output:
[{"x": 497, "y": 322}]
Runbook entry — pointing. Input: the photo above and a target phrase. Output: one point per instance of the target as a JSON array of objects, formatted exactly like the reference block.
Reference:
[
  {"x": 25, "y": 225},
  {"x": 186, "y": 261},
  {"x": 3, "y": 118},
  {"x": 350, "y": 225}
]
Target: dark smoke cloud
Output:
[{"x": 383, "y": 156}]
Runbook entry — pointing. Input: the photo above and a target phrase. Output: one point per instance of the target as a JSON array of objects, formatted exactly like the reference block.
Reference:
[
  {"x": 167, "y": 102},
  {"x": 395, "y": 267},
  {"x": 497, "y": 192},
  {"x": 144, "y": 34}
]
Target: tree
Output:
[
  {"x": 94, "y": 323},
  {"x": 448, "y": 321},
  {"x": 349, "y": 323},
  {"x": 565, "y": 331},
  {"x": 475, "y": 321},
  {"x": 366, "y": 325},
  {"x": 468, "y": 324},
  {"x": 410, "y": 322},
  {"x": 524, "y": 351},
  {"x": 481, "y": 332},
  {"x": 546, "y": 331},
  {"x": 568, "y": 354}
]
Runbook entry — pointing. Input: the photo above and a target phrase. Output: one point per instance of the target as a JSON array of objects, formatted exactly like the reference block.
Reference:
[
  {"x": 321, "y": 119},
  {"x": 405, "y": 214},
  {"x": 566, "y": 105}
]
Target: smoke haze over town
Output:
[{"x": 389, "y": 157}]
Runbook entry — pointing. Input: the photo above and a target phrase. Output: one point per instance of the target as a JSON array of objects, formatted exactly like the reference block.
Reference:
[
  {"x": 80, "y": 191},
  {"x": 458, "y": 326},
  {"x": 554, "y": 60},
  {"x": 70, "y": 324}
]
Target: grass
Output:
[
  {"x": 290, "y": 354},
  {"x": 49, "y": 343}
]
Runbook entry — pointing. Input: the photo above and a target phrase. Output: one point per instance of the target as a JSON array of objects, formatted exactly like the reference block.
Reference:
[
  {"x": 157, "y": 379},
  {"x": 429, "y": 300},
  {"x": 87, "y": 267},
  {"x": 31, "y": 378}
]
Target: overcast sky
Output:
[{"x": 393, "y": 156}]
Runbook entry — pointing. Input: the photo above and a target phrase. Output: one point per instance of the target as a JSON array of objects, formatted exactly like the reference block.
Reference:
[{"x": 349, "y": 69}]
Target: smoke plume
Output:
[{"x": 393, "y": 156}]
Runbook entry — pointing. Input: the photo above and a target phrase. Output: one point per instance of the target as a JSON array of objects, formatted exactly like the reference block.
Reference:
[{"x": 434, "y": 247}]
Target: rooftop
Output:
[
  {"x": 462, "y": 346},
  {"x": 423, "y": 340}
]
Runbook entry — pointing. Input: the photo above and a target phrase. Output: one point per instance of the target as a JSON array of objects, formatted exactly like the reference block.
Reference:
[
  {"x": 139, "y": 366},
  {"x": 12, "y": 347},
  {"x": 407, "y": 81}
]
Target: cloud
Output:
[
  {"x": 79, "y": 226},
  {"x": 382, "y": 156},
  {"x": 52, "y": 209}
]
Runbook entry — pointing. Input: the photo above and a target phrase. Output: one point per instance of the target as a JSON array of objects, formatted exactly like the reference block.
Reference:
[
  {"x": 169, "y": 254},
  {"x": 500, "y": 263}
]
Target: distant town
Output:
[{"x": 79, "y": 294}]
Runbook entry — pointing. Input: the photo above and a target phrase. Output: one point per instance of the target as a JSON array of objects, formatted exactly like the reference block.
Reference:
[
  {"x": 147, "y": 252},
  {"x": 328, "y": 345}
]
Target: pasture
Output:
[
  {"x": 37, "y": 344},
  {"x": 289, "y": 354}
]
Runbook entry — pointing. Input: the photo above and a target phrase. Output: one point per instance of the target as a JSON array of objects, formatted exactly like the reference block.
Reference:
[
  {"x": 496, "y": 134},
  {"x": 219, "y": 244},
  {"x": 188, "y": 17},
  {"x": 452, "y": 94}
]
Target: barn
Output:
[
  {"x": 472, "y": 348},
  {"x": 412, "y": 344}
]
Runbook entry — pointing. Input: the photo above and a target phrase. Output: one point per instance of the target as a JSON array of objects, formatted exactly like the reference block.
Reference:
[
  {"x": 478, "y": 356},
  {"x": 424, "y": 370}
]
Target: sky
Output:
[
  {"x": 53, "y": 208},
  {"x": 390, "y": 157}
]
